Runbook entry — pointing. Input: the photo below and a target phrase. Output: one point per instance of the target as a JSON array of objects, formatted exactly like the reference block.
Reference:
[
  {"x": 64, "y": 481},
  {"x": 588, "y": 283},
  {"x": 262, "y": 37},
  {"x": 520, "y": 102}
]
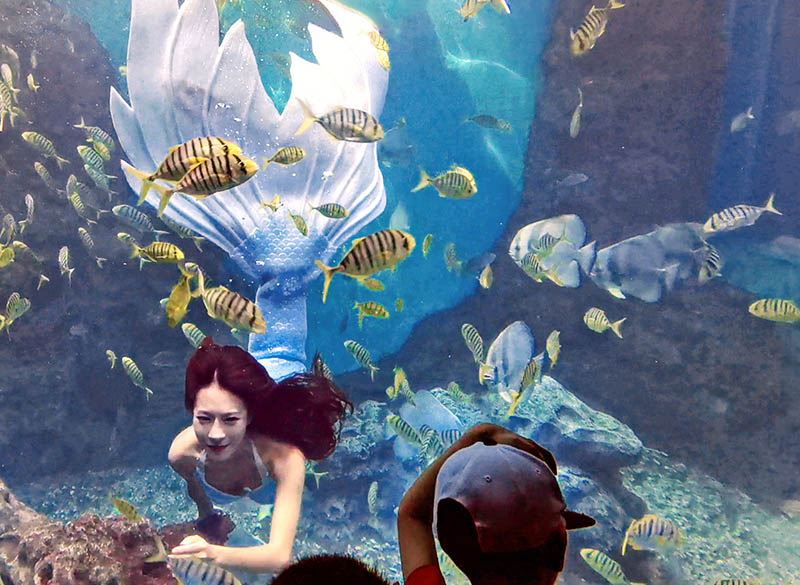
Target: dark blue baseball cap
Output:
[{"x": 512, "y": 496}]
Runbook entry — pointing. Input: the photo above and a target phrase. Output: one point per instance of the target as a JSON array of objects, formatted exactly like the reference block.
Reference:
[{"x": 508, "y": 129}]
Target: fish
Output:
[
  {"x": 740, "y": 121},
  {"x": 370, "y": 309},
  {"x": 456, "y": 183},
  {"x": 450, "y": 259},
  {"x": 532, "y": 265},
  {"x": 21, "y": 248},
  {"x": 575, "y": 121},
  {"x": 331, "y": 210},
  {"x": 159, "y": 252},
  {"x": 597, "y": 321},
  {"x": 426, "y": 245},
  {"x": 377, "y": 40},
  {"x": 738, "y": 216},
  {"x": 571, "y": 180},
  {"x": 29, "y": 209},
  {"x": 347, "y": 124},
  {"x": 100, "y": 179},
  {"x": 371, "y": 254},
  {"x": 264, "y": 512},
  {"x": 184, "y": 232},
  {"x": 553, "y": 346},
  {"x": 454, "y": 390},
  {"x": 112, "y": 358},
  {"x": 88, "y": 243},
  {"x": 299, "y": 223},
  {"x": 45, "y": 146},
  {"x": 474, "y": 341},
  {"x": 16, "y": 306},
  {"x": 400, "y": 385},
  {"x": 778, "y": 310},
  {"x": 471, "y": 7},
  {"x": 607, "y": 567},
  {"x": 193, "y": 334},
  {"x": 10, "y": 56},
  {"x": 95, "y": 134},
  {"x": 9, "y": 81},
  {"x": 9, "y": 229},
  {"x": 135, "y": 375},
  {"x": 372, "y": 498},
  {"x": 233, "y": 309},
  {"x": 207, "y": 177},
  {"x": 42, "y": 280},
  {"x": 288, "y": 155},
  {"x": 396, "y": 148},
  {"x": 361, "y": 355},
  {"x": 192, "y": 570},
  {"x": 134, "y": 218},
  {"x": 63, "y": 263},
  {"x": 488, "y": 121},
  {"x": 432, "y": 445},
  {"x": 544, "y": 246},
  {"x": 272, "y": 205},
  {"x": 34, "y": 59},
  {"x": 382, "y": 57},
  {"x": 592, "y": 28},
  {"x": 79, "y": 207},
  {"x": 652, "y": 532},
  {"x": 6, "y": 106},
  {"x": 398, "y": 305},
  {"x": 373, "y": 284},
  {"x": 45, "y": 176},
  {"x": 32, "y": 85},
  {"x": 102, "y": 150},
  {"x": 486, "y": 277},
  {"x": 6, "y": 256},
  {"x": 91, "y": 157},
  {"x": 178, "y": 301},
  {"x": 126, "y": 509},
  {"x": 712, "y": 264},
  {"x": 403, "y": 429},
  {"x": 320, "y": 368}
]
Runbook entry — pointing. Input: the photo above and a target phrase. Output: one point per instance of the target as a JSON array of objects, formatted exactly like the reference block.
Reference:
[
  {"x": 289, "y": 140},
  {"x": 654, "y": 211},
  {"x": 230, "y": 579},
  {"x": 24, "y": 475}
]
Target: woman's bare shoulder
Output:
[
  {"x": 184, "y": 451},
  {"x": 277, "y": 455}
]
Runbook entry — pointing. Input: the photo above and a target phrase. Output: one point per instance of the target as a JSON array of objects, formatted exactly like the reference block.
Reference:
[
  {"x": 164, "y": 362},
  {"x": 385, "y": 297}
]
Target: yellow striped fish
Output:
[
  {"x": 426, "y": 245},
  {"x": 79, "y": 207},
  {"x": 88, "y": 243},
  {"x": 273, "y": 205},
  {"x": 361, "y": 355},
  {"x": 63, "y": 263},
  {"x": 373, "y": 284},
  {"x": 100, "y": 179},
  {"x": 320, "y": 368},
  {"x": 370, "y": 309},
  {"x": 210, "y": 176},
  {"x": 181, "y": 158},
  {"x": 161, "y": 252},
  {"x": 193, "y": 334},
  {"x": 348, "y": 124},
  {"x": 6, "y": 256},
  {"x": 377, "y": 40},
  {"x": 398, "y": 305},
  {"x": 376, "y": 252},
  {"x": 651, "y": 533},
  {"x": 532, "y": 265},
  {"x": 299, "y": 223},
  {"x": 780, "y": 310},
  {"x": 597, "y": 321},
  {"x": 102, "y": 150},
  {"x": 372, "y": 498},
  {"x": 592, "y": 28},
  {"x": 382, "y": 57},
  {"x": 134, "y": 218},
  {"x": 288, "y": 155},
  {"x": 96, "y": 135},
  {"x": 135, "y": 375},
  {"x": 90, "y": 157},
  {"x": 331, "y": 210},
  {"x": 450, "y": 259},
  {"x": 711, "y": 266},
  {"x": 607, "y": 567},
  {"x": 43, "y": 145},
  {"x": 112, "y": 358},
  {"x": 192, "y": 570},
  {"x": 29, "y": 209},
  {"x": 456, "y": 183},
  {"x": 403, "y": 429},
  {"x": 45, "y": 176},
  {"x": 125, "y": 509},
  {"x": 233, "y": 309},
  {"x": 178, "y": 301},
  {"x": 738, "y": 216},
  {"x": 553, "y": 346},
  {"x": 531, "y": 376},
  {"x": 473, "y": 340}
]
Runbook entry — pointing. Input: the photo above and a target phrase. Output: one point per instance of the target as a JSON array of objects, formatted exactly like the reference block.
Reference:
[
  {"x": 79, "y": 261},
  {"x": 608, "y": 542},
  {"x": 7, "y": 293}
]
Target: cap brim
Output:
[{"x": 576, "y": 520}]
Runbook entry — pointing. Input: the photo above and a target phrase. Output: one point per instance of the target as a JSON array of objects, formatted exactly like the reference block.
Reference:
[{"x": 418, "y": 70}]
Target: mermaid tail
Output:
[{"x": 182, "y": 84}]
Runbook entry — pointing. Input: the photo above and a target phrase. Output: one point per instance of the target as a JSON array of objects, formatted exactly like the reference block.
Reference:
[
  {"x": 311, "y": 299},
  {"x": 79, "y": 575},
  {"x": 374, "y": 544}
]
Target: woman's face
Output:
[{"x": 220, "y": 421}]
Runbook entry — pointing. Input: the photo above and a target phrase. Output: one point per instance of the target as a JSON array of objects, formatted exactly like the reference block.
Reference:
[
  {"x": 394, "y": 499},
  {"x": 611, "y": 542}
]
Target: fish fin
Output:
[
  {"x": 160, "y": 556},
  {"x": 165, "y": 196},
  {"x": 424, "y": 181},
  {"x": 146, "y": 183},
  {"x": 571, "y": 33},
  {"x": 501, "y": 6},
  {"x": 264, "y": 162},
  {"x": 613, "y": 4},
  {"x": 60, "y": 161},
  {"x": 100, "y": 261},
  {"x": 81, "y": 125},
  {"x": 749, "y": 113},
  {"x": 328, "y": 272},
  {"x": 552, "y": 276},
  {"x": 768, "y": 206},
  {"x": 616, "y": 292},
  {"x": 310, "y": 118},
  {"x": 372, "y": 369},
  {"x": 615, "y": 328}
]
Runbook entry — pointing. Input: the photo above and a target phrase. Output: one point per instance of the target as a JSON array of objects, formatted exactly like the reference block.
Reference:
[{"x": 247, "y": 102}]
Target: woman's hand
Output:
[{"x": 195, "y": 545}]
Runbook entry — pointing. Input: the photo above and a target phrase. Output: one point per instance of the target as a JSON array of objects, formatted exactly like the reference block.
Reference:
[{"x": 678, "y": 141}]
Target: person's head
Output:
[
  {"x": 500, "y": 516},
  {"x": 229, "y": 392},
  {"x": 319, "y": 569}
]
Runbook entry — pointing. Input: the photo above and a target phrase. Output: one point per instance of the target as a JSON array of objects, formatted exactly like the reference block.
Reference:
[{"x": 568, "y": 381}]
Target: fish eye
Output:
[{"x": 242, "y": 166}]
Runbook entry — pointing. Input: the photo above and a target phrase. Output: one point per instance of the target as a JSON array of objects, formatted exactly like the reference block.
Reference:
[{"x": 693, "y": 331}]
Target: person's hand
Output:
[
  {"x": 195, "y": 545},
  {"x": 215, "y": 527},
  {"x": 490, "y": 434}
]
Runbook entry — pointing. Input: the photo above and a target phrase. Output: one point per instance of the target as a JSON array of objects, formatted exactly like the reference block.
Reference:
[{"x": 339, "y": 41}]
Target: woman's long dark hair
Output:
[{"x": 303, "y": 410}]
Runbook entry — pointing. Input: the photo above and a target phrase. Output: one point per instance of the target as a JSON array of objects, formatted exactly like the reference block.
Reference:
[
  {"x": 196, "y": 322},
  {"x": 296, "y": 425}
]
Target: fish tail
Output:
[
  {"x": 81, "y": 125},
  {"x": 769, "y": 205},
  {"x": 69, "y": 275},
  {"x": 160, "y": 555},
  {"x": 310, "y": 118},
  {"x": 551, "y": 275},
  {"x": 265, "y": 161},
  {"x": 612, "y": 4},
  {"x": 146, "y": 182},
  {"x": 135, "y": 250},
  {"x": 616, "y": 325},
  {"x": 12, "y": 117},
  {"x": 587, "y": 255},
  {"x": 625, "y": 540},
  {"x": 197, "y": 241},
  {"x": 158, "y": 233},
  {"x": 372, "y": 369},
  {"x": 2, "y": 119},
  {"x": 165, "y": 196},
  {"x": 148, "y": 393},
  {"x": 328, "y": 272},
  {"x": 61, "y": 161},
  {"x": 100, "y": 261},
  {"x": 424, "y": 180}
]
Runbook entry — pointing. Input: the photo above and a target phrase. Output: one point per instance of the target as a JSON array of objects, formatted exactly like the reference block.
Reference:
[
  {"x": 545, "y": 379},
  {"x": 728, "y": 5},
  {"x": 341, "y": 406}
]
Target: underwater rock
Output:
[
  {"x": 648, "y": 265},
  {"x": 426, "y": 410}
]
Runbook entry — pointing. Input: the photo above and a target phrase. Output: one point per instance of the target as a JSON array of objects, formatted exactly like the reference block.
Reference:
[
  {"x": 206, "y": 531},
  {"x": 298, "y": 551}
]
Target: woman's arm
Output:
[
  {"x": 289, "y": 472},
  {"x": 183, "y": 462}
]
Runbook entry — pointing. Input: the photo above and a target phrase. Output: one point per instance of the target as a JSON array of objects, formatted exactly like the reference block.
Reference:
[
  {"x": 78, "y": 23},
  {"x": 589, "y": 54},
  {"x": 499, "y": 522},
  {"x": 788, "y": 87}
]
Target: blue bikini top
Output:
[{"x": 263, "y": 494}]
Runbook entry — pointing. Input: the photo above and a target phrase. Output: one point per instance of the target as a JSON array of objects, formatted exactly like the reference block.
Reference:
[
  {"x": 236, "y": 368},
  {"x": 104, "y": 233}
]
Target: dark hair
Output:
[
  {"x": 458, "y": 538},
  {"x": 329, "y": 570},
  {"x": 303, "y": 410}
]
